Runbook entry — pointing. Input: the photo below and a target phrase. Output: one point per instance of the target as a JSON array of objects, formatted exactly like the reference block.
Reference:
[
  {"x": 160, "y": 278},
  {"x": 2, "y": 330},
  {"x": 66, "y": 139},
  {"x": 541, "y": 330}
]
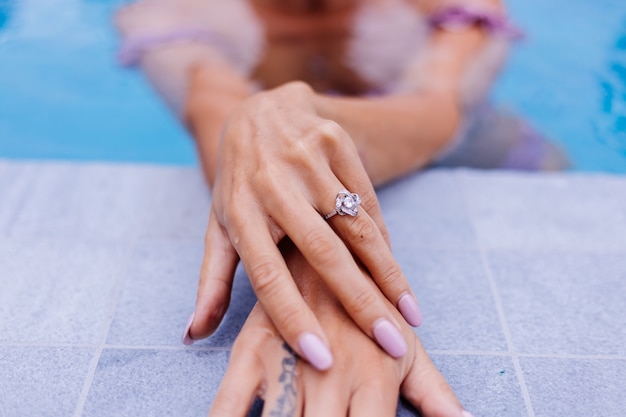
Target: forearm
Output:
[
  {"x": 213, "y": 94},
  {"x": 395, "y": 135},
  {"x": 400, "y": 133}
]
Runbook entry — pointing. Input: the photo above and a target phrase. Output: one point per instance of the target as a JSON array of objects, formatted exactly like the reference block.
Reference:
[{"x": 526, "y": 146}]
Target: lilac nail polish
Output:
[
  {"x": 467, "y": 414},
  {"x": 389, "y": 338},
  {"x": 410, "y": 310},
  {"x": 187, "y": 340},
  {"x": 315, "y": 351}
]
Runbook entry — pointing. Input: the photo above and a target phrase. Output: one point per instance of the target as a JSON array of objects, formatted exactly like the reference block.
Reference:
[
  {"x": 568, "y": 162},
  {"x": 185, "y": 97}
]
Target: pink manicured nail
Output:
[
  {"x": 410, "y": 310},
  {"x": 187, "y": 340},
  {"x": 389, "y": 338},
  {"x": 315, "y": 351},
  {"x": 467, "y": 414}
]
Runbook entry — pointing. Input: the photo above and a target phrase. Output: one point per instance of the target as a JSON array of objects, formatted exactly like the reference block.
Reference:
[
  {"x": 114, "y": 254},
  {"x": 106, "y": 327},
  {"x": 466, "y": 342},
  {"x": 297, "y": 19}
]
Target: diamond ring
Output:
[{"x": 345, "y": 203}]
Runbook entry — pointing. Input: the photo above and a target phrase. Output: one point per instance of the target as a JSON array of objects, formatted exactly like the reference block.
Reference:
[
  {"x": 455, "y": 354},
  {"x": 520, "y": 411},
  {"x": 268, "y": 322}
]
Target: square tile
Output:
[
  {"x": 138, "y": 382},
  {"x": 576, "y": 387},
  {"x": 563, "y": 303},
  {"x": 486, "y": 385},
  {"x": 39, "y": 381},
  {"x": 179, "y": 207},
  {"x": 15, "y": 184},
  {"x": 548, "y": 211},
  {"x": 57, "y": 291},
  {"x": 159, "y": 294},
  {"x": 455, "y": 298},
  {"x": 87, "y": 201},
  {"x": 426, "y": 209}
]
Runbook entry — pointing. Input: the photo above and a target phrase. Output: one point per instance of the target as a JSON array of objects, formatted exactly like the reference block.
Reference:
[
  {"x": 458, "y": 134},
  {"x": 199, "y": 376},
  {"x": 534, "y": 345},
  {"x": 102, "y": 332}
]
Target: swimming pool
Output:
[{"x": 63, "y": 96}]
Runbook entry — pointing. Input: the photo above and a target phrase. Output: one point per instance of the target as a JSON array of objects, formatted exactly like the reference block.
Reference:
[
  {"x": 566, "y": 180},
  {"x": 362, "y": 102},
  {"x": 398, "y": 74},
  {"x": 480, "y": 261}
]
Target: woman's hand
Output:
[
  {"x": 364, "y": 382},
  {"x": 279, "y": 169}
]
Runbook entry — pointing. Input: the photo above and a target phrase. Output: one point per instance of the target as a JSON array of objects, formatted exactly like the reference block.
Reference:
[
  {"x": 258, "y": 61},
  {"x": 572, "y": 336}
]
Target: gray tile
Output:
[
  {"x": 87, "y": 200},
  {"x": 15, "y": 181},
  {"x": 56, "y": 291},
  {"x": 41, "y": 381},
  {"x": 486, "y": 385},
  {"x": 159, "y": 294},
  {"x": 427, "y": 210},
  {"x": 576, "y": 387},
  {"x": 563, "y": 303},
  {"x": 155, "y": 382},
  {"x": 548, "y": 211},
  {"x": 180, "y": 206},
  {"x": 455, "y": 298}
]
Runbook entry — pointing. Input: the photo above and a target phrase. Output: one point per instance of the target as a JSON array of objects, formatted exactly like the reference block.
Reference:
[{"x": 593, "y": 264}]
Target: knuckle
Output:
[
  {"x": 288, "y": 320},
  {"x": 330, "y": 132},
  {"x": 234, "y": 218},
  {"x": 265, "y": 278},
  {"x": 319, "y": 246},
  {"x": 390, "y": 276},
  {"x": 369, "y": 202},
  {"x": 362, "y": 230},
  {"x": 362, "y": 301}
]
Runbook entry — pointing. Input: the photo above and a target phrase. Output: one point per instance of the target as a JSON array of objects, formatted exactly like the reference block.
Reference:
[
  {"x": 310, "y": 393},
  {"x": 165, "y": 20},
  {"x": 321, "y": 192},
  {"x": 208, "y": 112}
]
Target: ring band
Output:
[{"x": 345, "y": 203}]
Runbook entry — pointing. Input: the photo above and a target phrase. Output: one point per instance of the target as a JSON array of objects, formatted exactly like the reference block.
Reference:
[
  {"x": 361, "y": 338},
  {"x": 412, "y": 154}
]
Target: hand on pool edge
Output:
[
  {"x": 260, "y": 184},
  {"x": 260, "y": 366}
]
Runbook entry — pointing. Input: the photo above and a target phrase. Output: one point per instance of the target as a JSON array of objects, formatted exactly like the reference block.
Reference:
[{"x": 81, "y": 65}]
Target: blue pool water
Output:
[{"x": 63, "y": 96}]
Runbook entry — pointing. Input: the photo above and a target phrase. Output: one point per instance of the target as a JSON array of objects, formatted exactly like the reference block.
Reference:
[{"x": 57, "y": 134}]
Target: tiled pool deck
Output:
[{"x": 522, "y": 280}]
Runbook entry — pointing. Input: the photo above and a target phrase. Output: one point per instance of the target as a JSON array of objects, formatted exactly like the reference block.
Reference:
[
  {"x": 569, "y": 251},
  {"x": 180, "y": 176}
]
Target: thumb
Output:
[{"x": 216, "y": 282}]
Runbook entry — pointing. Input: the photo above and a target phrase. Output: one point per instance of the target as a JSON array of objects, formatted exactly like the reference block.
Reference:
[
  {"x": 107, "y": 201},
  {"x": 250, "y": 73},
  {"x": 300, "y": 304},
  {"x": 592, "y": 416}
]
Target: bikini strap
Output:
[
  {"x": 456, "y": 17},
  {"x": 134, "y": 48}
]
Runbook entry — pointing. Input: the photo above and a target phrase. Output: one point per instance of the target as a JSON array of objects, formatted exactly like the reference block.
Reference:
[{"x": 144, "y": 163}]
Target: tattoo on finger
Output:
[{"x": 287, "y": 401}]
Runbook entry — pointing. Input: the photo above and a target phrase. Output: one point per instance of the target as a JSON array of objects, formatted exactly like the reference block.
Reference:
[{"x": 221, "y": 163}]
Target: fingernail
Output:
[
  {"x": 187, "y": 340},
  {"x": 467, "y": 414},
  {"x": 410, "y": 310},
  {"x": 315, "y": 351},
  {"x": 389, "y": 338}
]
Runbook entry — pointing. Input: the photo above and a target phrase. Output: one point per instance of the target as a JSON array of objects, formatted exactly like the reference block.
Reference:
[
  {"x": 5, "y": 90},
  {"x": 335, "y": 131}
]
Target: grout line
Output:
[
  {"x": 80, "y": 405},
  {"x": 447, "y": 352},
  {"x": 48, "y": 345},
  {"x": 497, "y": 301},
  {"x": 170, "y": 347},
  {"x": 572, "y": 356},
  {"x": 119, "y": 347},
  {"x": 468, "y": 352}
]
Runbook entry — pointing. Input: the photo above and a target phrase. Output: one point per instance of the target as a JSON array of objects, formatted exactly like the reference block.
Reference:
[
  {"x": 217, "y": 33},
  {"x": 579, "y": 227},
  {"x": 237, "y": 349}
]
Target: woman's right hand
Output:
[
  {"x": 279, "y": 169},
  {"x": 365, "y": 382}
]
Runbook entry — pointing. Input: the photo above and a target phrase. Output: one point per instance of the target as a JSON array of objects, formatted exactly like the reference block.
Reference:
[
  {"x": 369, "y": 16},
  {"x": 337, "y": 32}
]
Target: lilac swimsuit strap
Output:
[
  {"x": 456, "y": 17},
  {"x": 134, "y": 48}
]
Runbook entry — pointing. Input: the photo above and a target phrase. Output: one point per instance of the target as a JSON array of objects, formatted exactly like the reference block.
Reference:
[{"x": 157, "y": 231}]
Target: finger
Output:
[
  {"x": 330, "y": 258},
  {"x": 427, "y": 390},
  {"x": 284, "y": 394},
  {"x": 375, "y": 398},
  {"x": 349, "y": 169},
  {"x": 240, "y": 385},
  {"x": 363, "y": 238},
  {"x": 216, "y": 281},
  {"x": 325, "y": 397},
  {"x": 277, "y": 292},
  {"x": 367, "y": 237}
]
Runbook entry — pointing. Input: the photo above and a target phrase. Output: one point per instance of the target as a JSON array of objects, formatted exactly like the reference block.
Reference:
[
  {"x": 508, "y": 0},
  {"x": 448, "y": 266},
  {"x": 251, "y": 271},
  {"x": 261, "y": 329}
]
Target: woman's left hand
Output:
[{"x": 279, "y": 169}]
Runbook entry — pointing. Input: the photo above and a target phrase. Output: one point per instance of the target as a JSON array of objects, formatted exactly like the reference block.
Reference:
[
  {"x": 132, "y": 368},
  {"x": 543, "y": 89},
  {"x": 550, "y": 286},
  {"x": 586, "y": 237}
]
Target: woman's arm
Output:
[
  {"x": 395, "y": 134},
  {"x": 399, "y": 133},
  {"x": 276, "y": 160}
]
